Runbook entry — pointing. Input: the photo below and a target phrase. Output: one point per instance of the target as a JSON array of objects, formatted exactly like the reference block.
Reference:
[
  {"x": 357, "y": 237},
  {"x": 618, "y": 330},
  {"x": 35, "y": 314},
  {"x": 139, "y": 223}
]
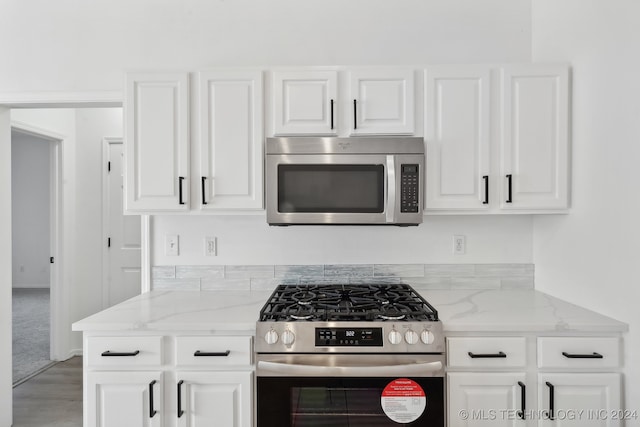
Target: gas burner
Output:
[
  {"x": 304, "y": 297},
  {"x": 342, "y": 303}
]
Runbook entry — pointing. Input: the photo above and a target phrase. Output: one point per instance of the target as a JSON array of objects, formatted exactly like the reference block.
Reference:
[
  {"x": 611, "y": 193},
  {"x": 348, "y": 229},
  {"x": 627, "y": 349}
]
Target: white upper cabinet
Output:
[
  {"x": 457, "y": 136},
  {"x": 305, "y": 102},
  {"x": 230, "y": 139},
  {"x": 497, "y": 139},
  {"x": 382, "y": 101},
  {"x": 157, "y": 142},
  {"x": 535, "y": 137}
]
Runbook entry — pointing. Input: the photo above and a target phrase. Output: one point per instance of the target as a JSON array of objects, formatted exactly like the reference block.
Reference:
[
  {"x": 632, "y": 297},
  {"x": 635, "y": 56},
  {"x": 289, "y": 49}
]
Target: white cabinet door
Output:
[
  {"x": 305, "y": 102},
  {"x": 535, "y": 137},
  {"x": 382, "y": 102},
  {"x": 116, "y": 399},
  {"x": 215, "y": 399},
  {"x": 485, "y": 399},
  {"x": 156, "y": 142},
  {"x": 231, "y": 139},
  {"x": 457, "y": 129},
  {"x": 580, "y": 400}
]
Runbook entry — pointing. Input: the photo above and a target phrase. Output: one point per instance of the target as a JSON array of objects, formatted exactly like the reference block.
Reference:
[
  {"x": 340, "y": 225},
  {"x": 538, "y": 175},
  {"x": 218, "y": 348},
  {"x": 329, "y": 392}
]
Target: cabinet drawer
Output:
[
  {"x": 213, "y": 351},
  {"x": 578, "y": 352},
  {"x": 486, "y": 352},
  {"x": 124, "y": 351}
]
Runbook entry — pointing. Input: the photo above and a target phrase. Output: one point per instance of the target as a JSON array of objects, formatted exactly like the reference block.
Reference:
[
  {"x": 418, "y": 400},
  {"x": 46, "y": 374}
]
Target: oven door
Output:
[
  {"x": 336, "y": 189},
  {"x": 350, "y": 390}
]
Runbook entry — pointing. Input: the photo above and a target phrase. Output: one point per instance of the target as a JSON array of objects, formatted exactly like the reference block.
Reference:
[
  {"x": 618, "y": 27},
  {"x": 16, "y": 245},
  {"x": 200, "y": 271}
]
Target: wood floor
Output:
[{"x": 52, "y": 398}]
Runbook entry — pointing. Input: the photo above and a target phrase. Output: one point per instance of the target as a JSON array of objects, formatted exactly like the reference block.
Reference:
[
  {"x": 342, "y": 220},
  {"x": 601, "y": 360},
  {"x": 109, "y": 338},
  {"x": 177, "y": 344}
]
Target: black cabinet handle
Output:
[
  {"x": 497, "y": 355},
  {"x": 180, "y": 179},
  {"x": 594, "y": 355},
  {"x": 117, "y": 354},
  {"x": 523, "y": 398},
  {"x": 486, "y": 189},
  {"x": 355, "y": 115},
  {"x": 152, "y": 412},
  {"x": 204, "y": 201},
  {"x": 332, "y": 114},
  {"x": 212, "y": 354},
  {"x": 509, "y": 188},
  {"x": 551, "y": 403},
  {"x": 180, "y": 411}
]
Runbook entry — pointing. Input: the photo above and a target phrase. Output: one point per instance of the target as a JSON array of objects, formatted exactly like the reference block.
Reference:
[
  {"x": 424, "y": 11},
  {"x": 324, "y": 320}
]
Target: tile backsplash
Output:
[{"x": 267, "y": 277}]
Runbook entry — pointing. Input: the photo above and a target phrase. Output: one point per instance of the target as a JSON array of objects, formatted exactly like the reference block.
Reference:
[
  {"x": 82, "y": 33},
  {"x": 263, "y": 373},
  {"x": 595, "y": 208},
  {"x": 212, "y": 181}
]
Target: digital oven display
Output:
[{"x": 349, "y": 337}]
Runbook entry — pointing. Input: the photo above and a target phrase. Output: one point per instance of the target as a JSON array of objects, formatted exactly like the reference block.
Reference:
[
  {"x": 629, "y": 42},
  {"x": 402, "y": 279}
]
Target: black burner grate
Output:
[{"x": 374, "y": 302}]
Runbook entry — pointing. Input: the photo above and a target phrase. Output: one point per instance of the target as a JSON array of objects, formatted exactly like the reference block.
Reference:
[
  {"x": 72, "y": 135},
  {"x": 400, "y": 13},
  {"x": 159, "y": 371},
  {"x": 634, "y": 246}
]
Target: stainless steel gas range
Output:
[{"x": 349, "y": 355}]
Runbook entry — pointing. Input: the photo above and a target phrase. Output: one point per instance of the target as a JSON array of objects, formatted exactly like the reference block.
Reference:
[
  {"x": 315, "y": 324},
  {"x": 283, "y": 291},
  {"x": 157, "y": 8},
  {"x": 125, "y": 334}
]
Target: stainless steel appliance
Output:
[
  {"x": 314, "y": 180},
  {"x": 349, "y": 355}
]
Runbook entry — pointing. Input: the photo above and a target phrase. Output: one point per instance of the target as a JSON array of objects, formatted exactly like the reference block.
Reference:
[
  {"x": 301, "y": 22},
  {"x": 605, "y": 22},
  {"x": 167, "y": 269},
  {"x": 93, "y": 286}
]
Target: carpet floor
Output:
[{"x": 30, "y": 333}]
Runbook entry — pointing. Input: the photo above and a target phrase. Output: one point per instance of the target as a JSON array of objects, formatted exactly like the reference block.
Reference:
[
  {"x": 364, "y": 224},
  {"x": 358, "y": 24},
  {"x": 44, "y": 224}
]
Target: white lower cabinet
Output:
[
  {"x": 552, "y": 381},
  {"x": 168, "y": 380},
  {"x": 478, "y": 399},
  {"x": 116, "y": 399},
  {"x": 585, "y": 400},
  {"x": 214, "y": 398}
]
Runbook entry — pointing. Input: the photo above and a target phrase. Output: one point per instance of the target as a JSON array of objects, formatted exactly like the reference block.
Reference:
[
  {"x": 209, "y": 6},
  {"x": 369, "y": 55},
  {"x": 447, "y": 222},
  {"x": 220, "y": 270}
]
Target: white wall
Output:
[
  {"x": 30, "y": 181},
  {"x": 249, "y": 240},
  {"x": 87, "y": 45},
  {"x": 590, "y": 257}
]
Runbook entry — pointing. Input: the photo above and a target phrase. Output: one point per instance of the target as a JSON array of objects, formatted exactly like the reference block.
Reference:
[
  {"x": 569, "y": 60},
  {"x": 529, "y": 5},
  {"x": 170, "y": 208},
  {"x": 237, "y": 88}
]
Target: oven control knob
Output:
[
  {"x": 426, "y": 337},
  {"x": 395, "y": 337},
  {"x": 411, "y": 336},
  {"x": 288, "y": 337},
  {"x": 271, "y": 337}
]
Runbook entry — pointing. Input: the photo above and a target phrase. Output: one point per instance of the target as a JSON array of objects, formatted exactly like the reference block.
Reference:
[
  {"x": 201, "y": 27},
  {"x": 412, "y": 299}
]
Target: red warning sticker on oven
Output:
[{"x": 403, "y": 400}]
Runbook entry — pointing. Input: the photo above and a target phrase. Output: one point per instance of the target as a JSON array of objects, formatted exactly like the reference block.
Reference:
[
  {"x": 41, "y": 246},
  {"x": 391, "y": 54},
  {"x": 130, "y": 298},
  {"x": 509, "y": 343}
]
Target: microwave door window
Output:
[{"x": 331, "y": 188}]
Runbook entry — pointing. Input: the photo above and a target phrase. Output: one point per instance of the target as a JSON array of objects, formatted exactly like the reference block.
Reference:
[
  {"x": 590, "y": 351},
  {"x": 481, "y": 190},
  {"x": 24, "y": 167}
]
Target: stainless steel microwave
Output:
[{"x": 315, "y": 180}]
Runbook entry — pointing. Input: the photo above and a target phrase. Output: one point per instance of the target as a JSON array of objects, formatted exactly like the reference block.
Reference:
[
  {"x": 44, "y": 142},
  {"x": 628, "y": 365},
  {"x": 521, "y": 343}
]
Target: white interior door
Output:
[{"x": 122, "y": 255}]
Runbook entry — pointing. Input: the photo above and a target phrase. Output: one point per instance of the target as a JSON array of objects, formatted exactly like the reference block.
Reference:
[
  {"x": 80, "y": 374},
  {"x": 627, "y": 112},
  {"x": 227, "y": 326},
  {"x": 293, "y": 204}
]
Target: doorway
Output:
[{"x": 35, "y": 188}]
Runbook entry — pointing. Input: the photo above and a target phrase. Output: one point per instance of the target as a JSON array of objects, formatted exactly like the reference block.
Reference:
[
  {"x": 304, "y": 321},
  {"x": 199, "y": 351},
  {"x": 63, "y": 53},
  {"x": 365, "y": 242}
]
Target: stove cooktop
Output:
[{"x": 349, "y": 303}]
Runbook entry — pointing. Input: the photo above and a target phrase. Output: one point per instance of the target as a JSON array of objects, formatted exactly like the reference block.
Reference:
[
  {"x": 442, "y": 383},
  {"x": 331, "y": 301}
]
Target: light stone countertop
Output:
[{"x": 459, "y": 310}]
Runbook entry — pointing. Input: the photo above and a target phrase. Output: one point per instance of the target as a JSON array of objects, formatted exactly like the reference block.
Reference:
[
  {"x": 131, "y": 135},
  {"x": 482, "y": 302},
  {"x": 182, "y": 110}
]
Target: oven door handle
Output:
[{"x": 409, "y": 370}]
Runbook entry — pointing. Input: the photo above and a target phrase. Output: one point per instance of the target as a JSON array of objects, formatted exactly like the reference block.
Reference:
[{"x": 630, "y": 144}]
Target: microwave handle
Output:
[
  {"x": 391, "y": 189},
  {"x": 406, "y": 370}
]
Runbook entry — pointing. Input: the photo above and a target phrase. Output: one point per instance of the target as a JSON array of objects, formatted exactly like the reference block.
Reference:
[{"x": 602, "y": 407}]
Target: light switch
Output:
[{"x": 171, "y": 245}]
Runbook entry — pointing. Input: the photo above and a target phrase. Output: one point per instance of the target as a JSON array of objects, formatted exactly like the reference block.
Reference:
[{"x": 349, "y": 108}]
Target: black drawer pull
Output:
[
  {"x": 212, "y": 354},
  {"x": 180, "y": 411},
  {"x": 509, "y": 188},
  {"x": 594, "y": 355},
  {"x": 116, "y": 354},
  {"x": 332, "y": 114},
  {"x": 152, "y": 411},
  {"x": 523, "y": 399},
  {"x": 486, "y": 189},
  {"x": 551, "y": 400},
  {"x": 355, "y": 114},
  {"x": 204, "y": 200},
  {"x": 487, "y": 356},
  {"x": 180, "y": 201}
]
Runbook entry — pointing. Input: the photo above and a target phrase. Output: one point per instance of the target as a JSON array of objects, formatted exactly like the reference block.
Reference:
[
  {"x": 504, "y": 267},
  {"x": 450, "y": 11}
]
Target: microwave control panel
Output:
[{"x": 409, "y": 188}]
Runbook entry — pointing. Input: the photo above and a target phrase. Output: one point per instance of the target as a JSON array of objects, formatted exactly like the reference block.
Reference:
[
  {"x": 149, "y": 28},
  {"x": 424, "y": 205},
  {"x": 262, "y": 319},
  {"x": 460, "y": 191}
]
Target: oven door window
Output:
[
  {"x": 339, "y": 402},
  {"x": 318, "y": 188}
]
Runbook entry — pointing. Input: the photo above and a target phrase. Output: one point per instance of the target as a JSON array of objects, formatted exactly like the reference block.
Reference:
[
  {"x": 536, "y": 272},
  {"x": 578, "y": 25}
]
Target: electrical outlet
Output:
[
  {"x": 210, "y": 246},
  {"x": 459, "y": 245},
  {"x": 171, "y": 245}
]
